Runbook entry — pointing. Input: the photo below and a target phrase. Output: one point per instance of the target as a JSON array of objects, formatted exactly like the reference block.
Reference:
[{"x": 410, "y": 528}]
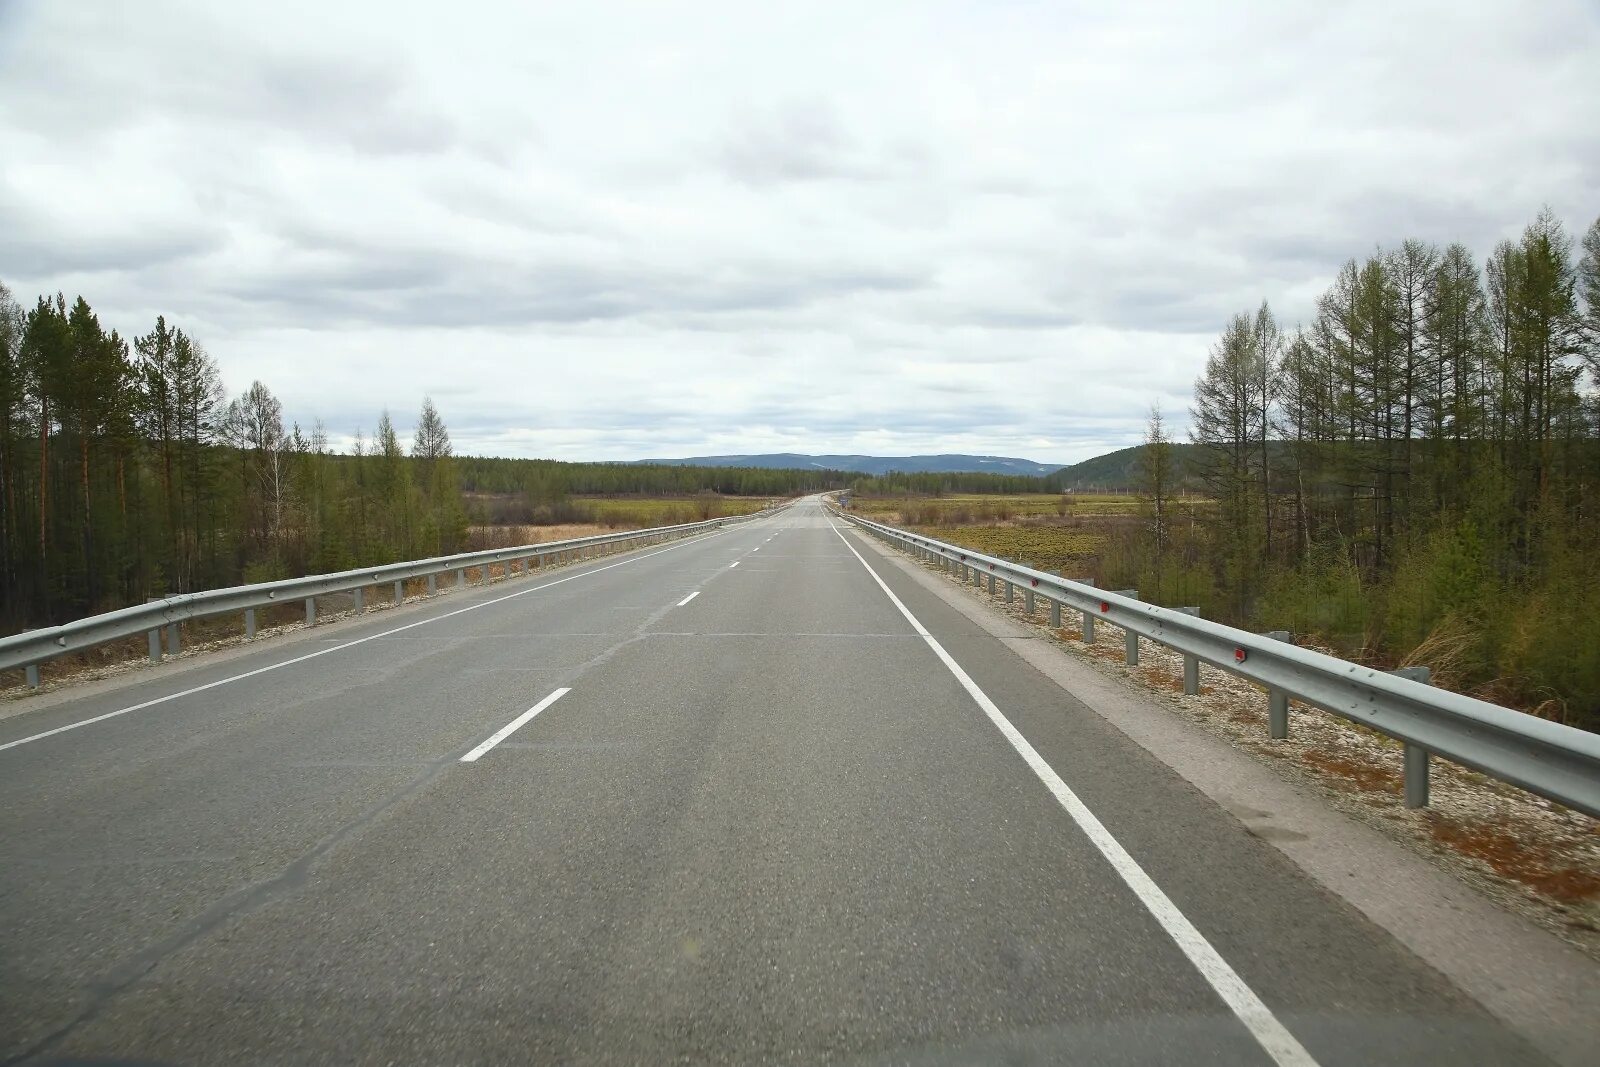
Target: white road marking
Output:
[
  {"x": 1271, "y": 1034},
  {"x": 337, "y": 648},
  {"x": 514, "y": 725},
  {"x": 688, "y": 598},
  {"x": 732, "y": 565},
  {"x": 756, "y": 549}
]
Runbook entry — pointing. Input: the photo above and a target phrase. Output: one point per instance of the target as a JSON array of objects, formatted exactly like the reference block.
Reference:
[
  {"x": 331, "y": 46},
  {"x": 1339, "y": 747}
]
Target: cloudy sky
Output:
[{"x": 612, "y": 231}]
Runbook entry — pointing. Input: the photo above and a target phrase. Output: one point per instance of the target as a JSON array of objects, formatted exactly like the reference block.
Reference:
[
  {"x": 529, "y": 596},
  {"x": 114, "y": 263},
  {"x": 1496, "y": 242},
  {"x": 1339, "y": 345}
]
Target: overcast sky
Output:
[{"x": 597, "y": 231}]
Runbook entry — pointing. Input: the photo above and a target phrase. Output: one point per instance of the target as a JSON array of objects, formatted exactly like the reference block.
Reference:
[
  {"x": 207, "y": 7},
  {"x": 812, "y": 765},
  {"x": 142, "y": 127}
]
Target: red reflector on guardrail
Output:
[
  {"x": 1238, "y": 655},
  {"x": 1105, "y": 606},
  {"x": 1035, "y": 581}
]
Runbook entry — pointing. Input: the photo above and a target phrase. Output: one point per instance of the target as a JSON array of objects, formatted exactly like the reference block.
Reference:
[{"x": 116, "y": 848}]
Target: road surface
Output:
[{"x": 755, "y": 797}]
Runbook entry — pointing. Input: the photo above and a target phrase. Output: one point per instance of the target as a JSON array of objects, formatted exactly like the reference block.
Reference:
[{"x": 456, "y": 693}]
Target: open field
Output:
[
  {"x": 1062, "y": 532},
  {"x": 960, "y": 509},
  {"x": 1071, "y": 551}
]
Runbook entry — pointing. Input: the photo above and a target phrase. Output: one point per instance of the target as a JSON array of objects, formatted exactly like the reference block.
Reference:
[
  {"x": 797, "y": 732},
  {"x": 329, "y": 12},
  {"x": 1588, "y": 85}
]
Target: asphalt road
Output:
[{"x": 770, "y": 824}]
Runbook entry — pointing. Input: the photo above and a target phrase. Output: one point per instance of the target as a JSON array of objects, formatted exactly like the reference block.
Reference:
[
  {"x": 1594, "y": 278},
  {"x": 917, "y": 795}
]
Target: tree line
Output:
[
  {"x": 1415, "y": 472},
  {"x": 938, "y": 483},
  {"x": 548, "y": 481},
  {"x": 127, "y": 471}
]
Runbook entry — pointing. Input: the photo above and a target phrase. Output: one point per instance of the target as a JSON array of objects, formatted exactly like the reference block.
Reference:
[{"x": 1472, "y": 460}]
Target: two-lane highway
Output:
[{"x": 752, "y": 797}]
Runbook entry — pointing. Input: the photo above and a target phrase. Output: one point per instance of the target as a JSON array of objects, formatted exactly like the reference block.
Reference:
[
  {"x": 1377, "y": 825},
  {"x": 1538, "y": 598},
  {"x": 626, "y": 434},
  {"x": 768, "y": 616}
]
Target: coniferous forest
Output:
[
  {"x": 127, "y": 470},
  {"x": 1414, "y": 473}
]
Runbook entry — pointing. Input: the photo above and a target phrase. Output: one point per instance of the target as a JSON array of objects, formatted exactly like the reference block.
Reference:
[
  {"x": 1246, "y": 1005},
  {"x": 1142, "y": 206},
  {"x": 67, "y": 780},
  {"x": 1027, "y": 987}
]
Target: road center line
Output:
[
  {"x": 347, "y": 644},
  {"x": 514, "y": 725},
  {"x": 1272, "y": 1035},
  {"x": 688, "y": 598},
  {"x": 732, "y": 565}
]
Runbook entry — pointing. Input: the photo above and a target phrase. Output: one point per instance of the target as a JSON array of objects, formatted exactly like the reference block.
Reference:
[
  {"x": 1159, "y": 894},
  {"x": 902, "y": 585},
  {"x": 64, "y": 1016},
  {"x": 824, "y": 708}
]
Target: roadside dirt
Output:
[{"x": 1529, "y": 855}]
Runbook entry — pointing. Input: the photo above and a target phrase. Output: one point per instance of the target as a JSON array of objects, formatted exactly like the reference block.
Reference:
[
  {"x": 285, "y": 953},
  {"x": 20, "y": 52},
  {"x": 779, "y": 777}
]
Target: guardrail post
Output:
[
  {"x": 32, "y": 671},
  {"x": 1416, "y": 757},
  {"x": 1130, "y": 640},
  {"x": 311, "y": 611},
  {"x": 399, "y": 592},
  {"x": 1027, "y": 602},
  {"x": 249, "y": 624},
  {"x": 1191, "y": 664},
  {"x": 1416, "y": 776},
  {"x": 174, "y": 639},
  {"x": 361, "y": 601},
  {"x": 1277, "y": 700},
  {"x": 991, "y": 583},
  {"x": 433, "y": 584},
  {"x": 155, "y": 645},
  {"x": 488, "y": 574},
  {"x": 1011, "y": 591},
  {"x": 1088, "y": 619}
]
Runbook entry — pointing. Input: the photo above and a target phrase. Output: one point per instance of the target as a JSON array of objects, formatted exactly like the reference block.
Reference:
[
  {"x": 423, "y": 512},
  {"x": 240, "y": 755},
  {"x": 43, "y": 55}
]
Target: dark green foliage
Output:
[
  {"x": 1118, "y": 472},
  {"x": 125, "y": 474},
  {"x": 549, "y": 481}
]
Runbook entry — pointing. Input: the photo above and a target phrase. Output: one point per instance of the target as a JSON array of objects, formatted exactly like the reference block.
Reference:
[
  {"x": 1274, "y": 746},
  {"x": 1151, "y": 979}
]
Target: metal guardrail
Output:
[
  {"x": 34, "y": 647},
  {"x": 1558, "y": 762}
]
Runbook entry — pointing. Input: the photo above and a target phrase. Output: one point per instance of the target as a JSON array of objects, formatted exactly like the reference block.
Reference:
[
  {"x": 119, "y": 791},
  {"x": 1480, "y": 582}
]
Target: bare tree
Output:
[
  {"x": 1156, "y": 480},
  {"x": 255, "y": 426}
]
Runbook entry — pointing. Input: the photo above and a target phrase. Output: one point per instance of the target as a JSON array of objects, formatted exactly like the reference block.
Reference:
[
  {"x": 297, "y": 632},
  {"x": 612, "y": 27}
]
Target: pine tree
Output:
[
  {"x": 46, "y": 359},
  {"x": 197, "y": 400},
  {"x": 1455, "y": 334},
  {"x": 1227, "y": 424}
]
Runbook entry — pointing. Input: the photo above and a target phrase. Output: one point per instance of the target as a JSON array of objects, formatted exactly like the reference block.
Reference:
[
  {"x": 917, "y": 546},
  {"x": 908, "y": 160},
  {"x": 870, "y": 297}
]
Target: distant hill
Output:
[
  {"x": 1115, "y": 471},
  {"x": 871, "y": 464}
]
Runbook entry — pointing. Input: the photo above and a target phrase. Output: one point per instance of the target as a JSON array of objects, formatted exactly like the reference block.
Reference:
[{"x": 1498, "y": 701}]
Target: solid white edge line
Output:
[
  {"x": 514, "y": 725},
  {"x": 1274, "y": 1038},
  {"x": 348, "y": 644},
  {"x": 688, "y": 598}
]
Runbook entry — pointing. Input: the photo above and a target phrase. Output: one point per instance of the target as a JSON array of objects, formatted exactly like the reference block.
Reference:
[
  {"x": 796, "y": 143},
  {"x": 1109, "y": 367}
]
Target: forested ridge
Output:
[
  {"x": 127, "y": 471},
  {"x": 1415, "y": 473}
]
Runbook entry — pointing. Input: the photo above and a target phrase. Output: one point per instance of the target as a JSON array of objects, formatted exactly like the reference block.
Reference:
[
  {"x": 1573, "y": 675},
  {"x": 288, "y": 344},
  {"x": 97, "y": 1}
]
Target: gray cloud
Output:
[{"x": 935, "y": 229}]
